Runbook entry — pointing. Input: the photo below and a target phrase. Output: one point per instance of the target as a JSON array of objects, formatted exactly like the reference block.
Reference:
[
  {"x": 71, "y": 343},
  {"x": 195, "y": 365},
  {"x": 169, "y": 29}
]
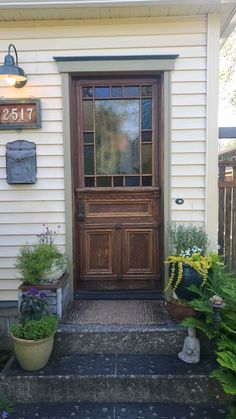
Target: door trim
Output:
[{"x": 68, "y": 131}]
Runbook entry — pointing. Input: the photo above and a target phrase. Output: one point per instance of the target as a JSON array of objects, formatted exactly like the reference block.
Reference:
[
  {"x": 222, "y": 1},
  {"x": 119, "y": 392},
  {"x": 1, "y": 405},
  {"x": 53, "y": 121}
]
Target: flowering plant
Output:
[
  {"x": 188, "y": 244},
  {"x": 34, "y": 323},
  {"x": 36, "y": 261},
  {"x": 33, "y": 305},
  {"x": 200, "y": 263}
]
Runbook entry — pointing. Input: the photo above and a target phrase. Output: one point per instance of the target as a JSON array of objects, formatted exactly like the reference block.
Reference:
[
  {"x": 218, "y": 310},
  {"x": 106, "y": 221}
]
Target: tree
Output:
[{"x": 228, "y": 70}]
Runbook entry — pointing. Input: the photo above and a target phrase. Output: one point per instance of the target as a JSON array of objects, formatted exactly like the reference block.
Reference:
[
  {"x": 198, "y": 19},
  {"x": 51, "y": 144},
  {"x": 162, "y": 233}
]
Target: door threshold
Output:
[{"x": 118, "y": 295}]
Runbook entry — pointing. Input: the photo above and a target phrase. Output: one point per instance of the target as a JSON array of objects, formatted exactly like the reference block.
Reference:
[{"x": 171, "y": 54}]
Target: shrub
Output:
[{"x": 35, "y": 329}]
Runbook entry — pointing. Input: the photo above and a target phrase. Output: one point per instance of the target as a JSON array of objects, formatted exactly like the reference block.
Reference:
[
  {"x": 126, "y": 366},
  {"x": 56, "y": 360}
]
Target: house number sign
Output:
[{"x": 20, "y": 114}]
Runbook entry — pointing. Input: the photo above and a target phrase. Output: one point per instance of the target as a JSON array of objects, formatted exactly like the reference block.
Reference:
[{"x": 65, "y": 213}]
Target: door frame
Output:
[{"x": 70, "y": 66}]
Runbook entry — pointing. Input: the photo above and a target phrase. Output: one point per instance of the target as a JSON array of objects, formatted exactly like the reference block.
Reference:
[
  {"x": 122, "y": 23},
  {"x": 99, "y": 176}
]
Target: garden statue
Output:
[{"x": 191, "y": 349}]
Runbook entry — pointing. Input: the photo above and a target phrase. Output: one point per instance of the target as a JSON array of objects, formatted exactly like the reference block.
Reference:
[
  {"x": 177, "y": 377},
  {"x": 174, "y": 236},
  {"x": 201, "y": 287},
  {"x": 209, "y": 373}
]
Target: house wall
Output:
[{"x": 24, "y": 208}]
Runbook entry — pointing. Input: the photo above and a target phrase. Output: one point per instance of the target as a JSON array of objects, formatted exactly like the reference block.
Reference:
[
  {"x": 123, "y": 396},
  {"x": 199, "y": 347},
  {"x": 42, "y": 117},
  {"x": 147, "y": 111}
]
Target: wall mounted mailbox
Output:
[{"x": 21, "y": 162}]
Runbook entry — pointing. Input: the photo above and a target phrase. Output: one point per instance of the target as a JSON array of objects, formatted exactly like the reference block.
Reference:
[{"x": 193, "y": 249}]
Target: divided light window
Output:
[{"x": 118, "y": 135}]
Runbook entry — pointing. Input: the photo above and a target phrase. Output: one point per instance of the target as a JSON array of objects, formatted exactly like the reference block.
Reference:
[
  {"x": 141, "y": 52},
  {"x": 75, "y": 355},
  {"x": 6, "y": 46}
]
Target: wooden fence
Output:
[{"x": 227, "y": 213}]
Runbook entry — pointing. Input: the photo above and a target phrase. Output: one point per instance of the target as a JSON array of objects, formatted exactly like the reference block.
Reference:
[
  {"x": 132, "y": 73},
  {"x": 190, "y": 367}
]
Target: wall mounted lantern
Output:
[{"x": 10, "y": 72}]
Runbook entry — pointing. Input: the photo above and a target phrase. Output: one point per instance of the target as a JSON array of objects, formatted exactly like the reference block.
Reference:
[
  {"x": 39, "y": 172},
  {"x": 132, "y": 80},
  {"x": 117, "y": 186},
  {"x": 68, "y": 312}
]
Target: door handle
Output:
[{"x": 81, "y": 211}]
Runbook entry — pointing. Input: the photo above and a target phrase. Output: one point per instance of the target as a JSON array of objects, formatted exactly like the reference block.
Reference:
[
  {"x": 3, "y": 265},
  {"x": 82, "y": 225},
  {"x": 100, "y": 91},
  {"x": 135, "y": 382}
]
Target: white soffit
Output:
[{"x": 26, "y": 10}]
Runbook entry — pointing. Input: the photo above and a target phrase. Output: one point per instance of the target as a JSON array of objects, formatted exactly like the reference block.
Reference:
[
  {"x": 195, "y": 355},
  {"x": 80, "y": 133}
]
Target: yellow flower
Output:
[{"x": 199, "y": 263}]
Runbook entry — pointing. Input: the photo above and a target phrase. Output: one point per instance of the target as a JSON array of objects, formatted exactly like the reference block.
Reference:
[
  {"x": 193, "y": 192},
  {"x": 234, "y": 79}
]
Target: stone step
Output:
[
  {"x": 113, "y": 378},
  {"x": 117, "y": 411},
  {"x": 119, "y": 339}
]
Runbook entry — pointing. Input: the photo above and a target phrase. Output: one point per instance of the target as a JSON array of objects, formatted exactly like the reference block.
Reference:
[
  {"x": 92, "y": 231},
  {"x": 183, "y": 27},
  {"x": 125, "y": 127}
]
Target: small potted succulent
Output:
[{"x": 33, "y": 336}]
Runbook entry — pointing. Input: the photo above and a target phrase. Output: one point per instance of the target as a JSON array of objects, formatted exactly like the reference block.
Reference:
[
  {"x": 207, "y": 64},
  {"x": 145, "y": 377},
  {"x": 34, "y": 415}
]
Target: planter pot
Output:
[
  {"x": 190, "y": 276},
  {"x": 55, "y": 273},
  {"x": 58, "y": 295},
  {"x": 179, "y": 312},
  {"x": 33, "y": 354}
]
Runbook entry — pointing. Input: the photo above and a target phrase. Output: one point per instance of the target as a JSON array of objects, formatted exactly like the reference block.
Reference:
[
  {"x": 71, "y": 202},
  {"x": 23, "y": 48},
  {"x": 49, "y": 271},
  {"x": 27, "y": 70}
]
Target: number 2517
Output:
[{"x": 16, "y": 114}]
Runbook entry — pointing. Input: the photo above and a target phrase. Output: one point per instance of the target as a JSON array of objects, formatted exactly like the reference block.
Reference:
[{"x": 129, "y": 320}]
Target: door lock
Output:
[{"x": 81, "y": 211}]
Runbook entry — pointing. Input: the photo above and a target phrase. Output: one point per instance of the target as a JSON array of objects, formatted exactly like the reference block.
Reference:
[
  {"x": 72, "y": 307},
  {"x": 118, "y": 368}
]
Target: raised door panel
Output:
[
  {"x": 97, "y": 253},
  {"x": 140, "y": 257}
]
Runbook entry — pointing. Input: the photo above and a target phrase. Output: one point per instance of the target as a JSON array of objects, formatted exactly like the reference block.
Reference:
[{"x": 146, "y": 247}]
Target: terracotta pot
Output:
[
  {"x": 33, "y": 354},
  {"x": 178, "y": 311}
]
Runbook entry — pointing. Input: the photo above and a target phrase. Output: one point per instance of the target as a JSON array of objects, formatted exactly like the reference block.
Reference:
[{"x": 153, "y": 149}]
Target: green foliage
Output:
[
  {"x": 34, "y": 261},
  {"x": 184, "y": 238},
  {"x": 6, "y": 405},
  {"x": 232, "y": 413},
  {"x": 228, "y": 68},
  {"x": 35, "y": 329},
  {"x": 226, "y": 379},
  {"x": 222, "y": 284}
]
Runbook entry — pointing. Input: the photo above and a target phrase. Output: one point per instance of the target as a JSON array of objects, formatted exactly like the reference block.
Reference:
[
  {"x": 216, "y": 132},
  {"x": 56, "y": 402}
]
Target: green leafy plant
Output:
[
  {"x": 33, "y": 305},
  {"x": 6, "y": 407},
  {"x": 222, "y": 284},
  {"x": 186, "y": 239},
  {"x": 34, "y": 261},
  {"x": 188, "y": 244},
  {"x": 35, "y": 329},
  {"x": 201, "y": 264}
]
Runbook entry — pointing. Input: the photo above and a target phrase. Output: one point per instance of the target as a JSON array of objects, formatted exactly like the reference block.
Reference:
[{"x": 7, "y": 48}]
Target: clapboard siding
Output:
[{"x": 37, "y": 47}]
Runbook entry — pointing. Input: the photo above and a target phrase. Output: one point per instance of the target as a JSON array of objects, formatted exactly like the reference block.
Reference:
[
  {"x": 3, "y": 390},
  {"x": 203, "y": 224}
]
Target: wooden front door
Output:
[{"x": 117, "y": 171}]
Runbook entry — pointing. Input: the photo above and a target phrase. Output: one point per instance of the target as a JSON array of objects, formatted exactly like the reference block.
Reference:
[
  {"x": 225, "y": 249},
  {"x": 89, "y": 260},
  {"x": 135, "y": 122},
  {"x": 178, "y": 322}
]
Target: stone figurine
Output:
[{"x": 191, "y": 349}]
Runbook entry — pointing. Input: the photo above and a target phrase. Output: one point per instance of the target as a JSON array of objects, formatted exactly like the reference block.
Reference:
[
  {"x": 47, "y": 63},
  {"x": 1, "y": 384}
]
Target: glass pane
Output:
[
  {"x": 88, "y": 92},
  {"x": 89, "y": 182},
  {"x": 147, "y": 181},
  {"x": 146, "y": 136},
  {"x": 147, "y": 158},
  {"x": 117, "y": 136},
  {"x": 104, "y": 181},
  {"x": 102, "y": 91},
  {"x": 89, "y": 160},
  {"x": 116, "y": 91},
  {"x": 88, "y": 115},
  {"x": 131, "y": 91},
  {"x": 118, "y": 181},
  {"x": 146, "y": 90},
  {"x": 88, "y": 137},
  {"x": 132, "y": 181},
  {"x": 146, "y": 113}
]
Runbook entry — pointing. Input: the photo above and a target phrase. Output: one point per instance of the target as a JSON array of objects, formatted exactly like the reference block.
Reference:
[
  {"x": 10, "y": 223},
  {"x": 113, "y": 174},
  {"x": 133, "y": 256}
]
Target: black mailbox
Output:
[{"x": 21, "y": 162}]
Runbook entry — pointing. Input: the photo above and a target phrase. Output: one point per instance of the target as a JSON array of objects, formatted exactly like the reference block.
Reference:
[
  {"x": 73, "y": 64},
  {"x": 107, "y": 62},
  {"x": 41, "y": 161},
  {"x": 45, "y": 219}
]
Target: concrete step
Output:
[
  {"x": 119, "y": 339},
  {"x": 112, "y": 379},
  {"x": 117, "y": 411}
]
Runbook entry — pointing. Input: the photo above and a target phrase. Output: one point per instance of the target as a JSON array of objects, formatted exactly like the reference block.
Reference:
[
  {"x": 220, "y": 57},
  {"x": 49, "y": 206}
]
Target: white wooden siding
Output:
[{"x": 36, "y": 47}]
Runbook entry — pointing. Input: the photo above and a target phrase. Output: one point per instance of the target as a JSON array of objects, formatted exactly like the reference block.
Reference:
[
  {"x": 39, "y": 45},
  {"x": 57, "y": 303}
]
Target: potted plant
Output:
[
  {"x": 33, "y": 336},
  {"x": 43, "y": 265},
  {"x": 189, "y": 264},
  {"x": 43, "y": 262}
]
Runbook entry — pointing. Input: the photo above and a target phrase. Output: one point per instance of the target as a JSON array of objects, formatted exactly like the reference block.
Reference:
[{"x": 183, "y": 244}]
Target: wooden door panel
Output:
[
  {"x": 98, "y": 255},
  {"x": 99, "y": 252},
  {"x": 140, "y": 248}
]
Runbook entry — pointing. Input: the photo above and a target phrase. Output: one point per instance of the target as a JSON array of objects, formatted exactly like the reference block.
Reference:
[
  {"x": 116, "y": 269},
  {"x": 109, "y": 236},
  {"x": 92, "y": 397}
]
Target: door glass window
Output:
[{"x": 118, "y": 135}]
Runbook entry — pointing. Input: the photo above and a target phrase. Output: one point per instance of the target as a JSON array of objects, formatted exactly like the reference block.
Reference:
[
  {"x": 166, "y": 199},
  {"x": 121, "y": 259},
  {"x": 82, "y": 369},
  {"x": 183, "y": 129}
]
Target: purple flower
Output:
[
  {"x": 32, "y": 291},
  {"x": 42, "y": 295},
  {"x": 5, "y": 415}
]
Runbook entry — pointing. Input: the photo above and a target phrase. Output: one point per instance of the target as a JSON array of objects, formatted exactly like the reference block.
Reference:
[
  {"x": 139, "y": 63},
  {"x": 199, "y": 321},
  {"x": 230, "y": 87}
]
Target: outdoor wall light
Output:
[{"x": 10, "y": 72}]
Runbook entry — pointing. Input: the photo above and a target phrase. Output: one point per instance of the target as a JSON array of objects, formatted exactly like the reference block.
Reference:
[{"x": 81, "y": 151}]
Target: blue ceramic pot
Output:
[{"x": 190, "y": 276}]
